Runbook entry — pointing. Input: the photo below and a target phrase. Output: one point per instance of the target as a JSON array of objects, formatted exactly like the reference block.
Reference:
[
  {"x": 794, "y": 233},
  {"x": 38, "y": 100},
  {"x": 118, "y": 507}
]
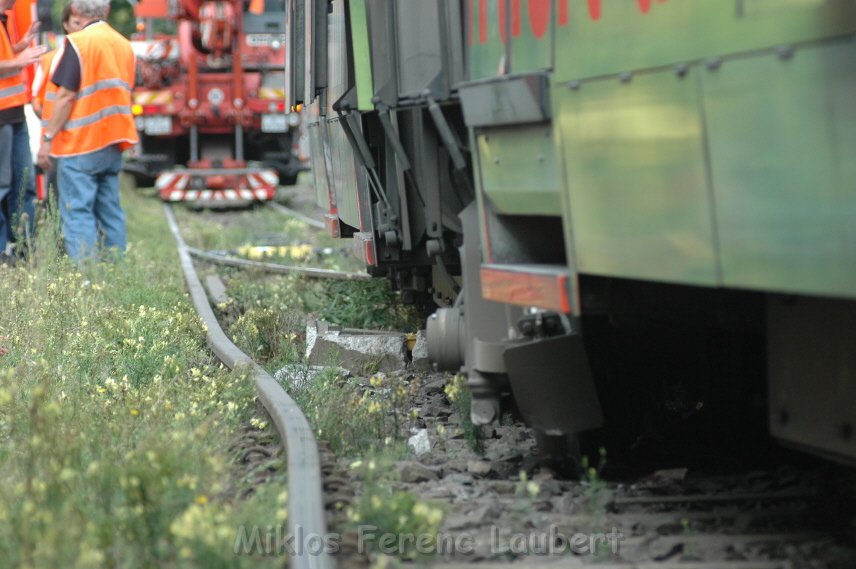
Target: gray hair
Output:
[{"x": 91, "y": 8}]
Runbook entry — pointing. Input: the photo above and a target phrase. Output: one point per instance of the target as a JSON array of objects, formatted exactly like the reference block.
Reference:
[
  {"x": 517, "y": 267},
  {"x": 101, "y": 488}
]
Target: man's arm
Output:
[
  {"x": 27, "y": 57},
  {"x": 62, "y": 110},
  {"x": 39, "y": 81}
]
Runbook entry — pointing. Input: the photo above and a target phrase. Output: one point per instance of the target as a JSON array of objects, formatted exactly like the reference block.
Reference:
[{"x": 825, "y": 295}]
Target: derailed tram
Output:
[{"x": 633, "y": 216}]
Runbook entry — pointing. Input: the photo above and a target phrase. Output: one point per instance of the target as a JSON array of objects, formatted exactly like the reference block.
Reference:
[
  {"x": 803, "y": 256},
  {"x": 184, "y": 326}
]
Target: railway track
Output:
[
  {"x": 227, "y": 260},
  {"x": 777, "y": 512},
  {"x": 310, "y": 221},
  {"x": 306, "y": 516},
  {"x": 724, "y": 527},
  {"x": 751, "y": 520},
  {"x": 276, "y": 268},
  {"x": 727, "y": 525}
]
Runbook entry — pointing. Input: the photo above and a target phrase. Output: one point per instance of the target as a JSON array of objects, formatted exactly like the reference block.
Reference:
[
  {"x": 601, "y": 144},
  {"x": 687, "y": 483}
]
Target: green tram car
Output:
[{"x": 632, "y": 214}]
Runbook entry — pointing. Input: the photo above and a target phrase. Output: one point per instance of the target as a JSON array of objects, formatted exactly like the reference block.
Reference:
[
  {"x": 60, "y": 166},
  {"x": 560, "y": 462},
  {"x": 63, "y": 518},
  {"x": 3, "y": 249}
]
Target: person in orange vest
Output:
[
  {"x": 90, "y": 126},
  {"x": 42, "y": 88},
  {"x": 16, "y": 168},
  {"x": 41, "y": 81}
]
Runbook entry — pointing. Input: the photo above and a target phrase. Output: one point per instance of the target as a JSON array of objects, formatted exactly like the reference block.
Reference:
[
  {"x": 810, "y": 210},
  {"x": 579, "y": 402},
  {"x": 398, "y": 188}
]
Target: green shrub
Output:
[{"x": 269, "y": 335}]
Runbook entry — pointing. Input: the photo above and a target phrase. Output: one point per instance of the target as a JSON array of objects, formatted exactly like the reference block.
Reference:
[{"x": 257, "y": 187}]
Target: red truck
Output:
[{"x": 210, "y": 101}]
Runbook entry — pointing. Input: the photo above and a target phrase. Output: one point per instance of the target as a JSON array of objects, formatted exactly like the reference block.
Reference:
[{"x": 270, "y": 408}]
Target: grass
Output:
[
  {"x": 263, "y": 233},
  {"x": 598, "y": 495},
  {"x": 268, "y": 335},
  {"x": 459, "y": 396},
  {"x": 350, "y": 304},
  {"x": 115, "y": 420},
  {"x": 358, "y": 420}
]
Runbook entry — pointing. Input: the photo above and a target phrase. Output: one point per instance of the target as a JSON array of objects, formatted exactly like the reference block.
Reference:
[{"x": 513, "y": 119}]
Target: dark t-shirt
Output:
[
  {"x": 67, "y": 72},
  {"x": 12, "y": 115}
]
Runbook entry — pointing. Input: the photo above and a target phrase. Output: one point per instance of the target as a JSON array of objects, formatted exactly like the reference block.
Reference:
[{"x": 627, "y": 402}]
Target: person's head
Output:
[
  {"x": 70, "y": 22},
  {"x": 90, "y": 10}
]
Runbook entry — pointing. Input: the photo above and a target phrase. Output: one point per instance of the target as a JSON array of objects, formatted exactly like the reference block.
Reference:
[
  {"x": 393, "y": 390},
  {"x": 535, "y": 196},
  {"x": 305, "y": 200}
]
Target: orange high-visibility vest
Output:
[
  {"x": 46, "y": 85},
  {"x": 42, "y": 84},
  {"x": 13, "y": 92},
  {"x": 21, "y": 17},
  {"x": 101, "y": 114}
]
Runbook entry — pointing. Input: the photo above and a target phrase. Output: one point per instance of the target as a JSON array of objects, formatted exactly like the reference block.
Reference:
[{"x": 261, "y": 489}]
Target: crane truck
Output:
[{"x": 209, "y": 101}]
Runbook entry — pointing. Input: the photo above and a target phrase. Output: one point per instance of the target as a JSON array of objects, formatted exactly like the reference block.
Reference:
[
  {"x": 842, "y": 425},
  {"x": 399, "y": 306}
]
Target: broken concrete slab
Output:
[
  {"x": 419, "y": 354},
  {"x": 355, "y": 350}
]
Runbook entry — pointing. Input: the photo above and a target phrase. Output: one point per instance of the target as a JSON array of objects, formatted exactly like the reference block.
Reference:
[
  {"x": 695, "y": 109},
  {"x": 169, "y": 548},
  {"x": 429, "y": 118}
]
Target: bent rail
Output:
[{"x": 305, "y": 504}]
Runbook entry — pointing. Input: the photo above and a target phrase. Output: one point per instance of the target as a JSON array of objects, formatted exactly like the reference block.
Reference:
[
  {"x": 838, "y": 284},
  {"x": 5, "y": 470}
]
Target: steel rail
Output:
[
  {"x": 229, "y": 261},
  {"x": 306, "y": 519},
  {"x": 296, "y": 214}
]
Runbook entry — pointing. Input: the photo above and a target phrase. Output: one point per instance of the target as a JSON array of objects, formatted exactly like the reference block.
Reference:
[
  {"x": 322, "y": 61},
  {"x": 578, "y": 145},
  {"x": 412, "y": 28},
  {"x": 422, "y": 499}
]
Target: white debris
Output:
[{"x": 419, "y": 443}]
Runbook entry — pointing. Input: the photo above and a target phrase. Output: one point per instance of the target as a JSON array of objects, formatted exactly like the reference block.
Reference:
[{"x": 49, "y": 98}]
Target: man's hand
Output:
[
  {"x": 28, "y": 37},
  {"x": 29, "y": 56},
  {"x": 43, "y": 158}
]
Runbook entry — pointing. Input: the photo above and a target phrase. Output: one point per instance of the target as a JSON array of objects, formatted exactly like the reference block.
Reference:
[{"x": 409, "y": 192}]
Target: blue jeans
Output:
[
  {"x": 5, "y": 179},
  {"x": 23, "y": 190},
  {"x": 89, "y": 201}
]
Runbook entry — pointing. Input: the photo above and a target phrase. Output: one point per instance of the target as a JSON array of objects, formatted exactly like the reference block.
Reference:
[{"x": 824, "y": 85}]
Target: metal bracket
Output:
[
  {"x": 446, "y": 134},
  {"x": 358, "y": 143}
]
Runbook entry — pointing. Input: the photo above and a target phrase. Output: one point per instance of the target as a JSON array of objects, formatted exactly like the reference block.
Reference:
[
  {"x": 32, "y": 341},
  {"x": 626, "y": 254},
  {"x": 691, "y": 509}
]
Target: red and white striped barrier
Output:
[{"x": 248, "y": 185}]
